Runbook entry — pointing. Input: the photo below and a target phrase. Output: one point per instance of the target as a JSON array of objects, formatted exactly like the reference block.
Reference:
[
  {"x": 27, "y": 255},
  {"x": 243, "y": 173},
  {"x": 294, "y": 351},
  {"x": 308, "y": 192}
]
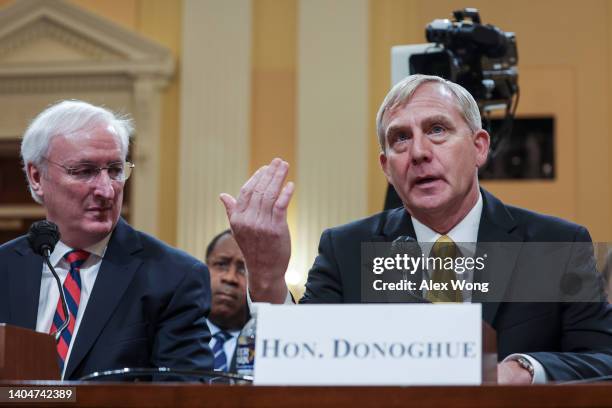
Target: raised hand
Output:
[{"x": 258, "y": 218}]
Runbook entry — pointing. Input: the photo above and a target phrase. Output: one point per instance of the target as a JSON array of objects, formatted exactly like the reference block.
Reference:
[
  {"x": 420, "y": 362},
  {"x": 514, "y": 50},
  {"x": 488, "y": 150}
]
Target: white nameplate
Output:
[{"x": 382, "y": 344}]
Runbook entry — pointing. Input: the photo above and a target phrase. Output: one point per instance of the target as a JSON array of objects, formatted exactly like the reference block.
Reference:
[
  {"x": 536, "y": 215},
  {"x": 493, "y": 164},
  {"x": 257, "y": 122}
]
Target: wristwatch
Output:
[{"x": 526, "y": 364}]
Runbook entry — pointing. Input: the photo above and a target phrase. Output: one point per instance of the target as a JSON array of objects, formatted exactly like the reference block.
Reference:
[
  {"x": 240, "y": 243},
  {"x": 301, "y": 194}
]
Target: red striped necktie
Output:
[{"x": 72, "y": 292}]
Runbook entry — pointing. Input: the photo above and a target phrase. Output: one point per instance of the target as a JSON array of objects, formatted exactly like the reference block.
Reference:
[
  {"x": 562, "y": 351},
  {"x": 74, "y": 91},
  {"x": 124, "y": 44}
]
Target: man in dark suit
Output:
[
  {"x": 133, "y": 301},
  {"x": 229, "y": 311},
  {"x": 432, "y": 146}
]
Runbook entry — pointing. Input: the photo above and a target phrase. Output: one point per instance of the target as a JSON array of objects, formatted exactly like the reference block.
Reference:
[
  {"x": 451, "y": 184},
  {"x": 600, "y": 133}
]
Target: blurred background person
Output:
[{"x": 229, "y": 311}]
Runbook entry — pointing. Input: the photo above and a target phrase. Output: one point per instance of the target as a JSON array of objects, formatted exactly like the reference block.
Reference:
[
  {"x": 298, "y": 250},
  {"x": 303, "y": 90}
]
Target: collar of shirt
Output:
[
  {"x": 214, "y": 329},
  {"x": 463, "y": 233},
  {"x": 61, "y": 249}
]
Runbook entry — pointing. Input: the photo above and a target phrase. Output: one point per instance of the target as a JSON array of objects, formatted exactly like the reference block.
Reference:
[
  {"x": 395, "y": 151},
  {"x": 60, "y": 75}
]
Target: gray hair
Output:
[
  {"x": 69, "y": 118},
  {"x": 403, "y": 91}
]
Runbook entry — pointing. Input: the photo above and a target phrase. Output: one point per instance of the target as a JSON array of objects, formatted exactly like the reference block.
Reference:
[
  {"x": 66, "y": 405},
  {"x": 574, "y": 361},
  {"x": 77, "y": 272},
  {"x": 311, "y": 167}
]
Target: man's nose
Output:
[
  {"x": 231, "y": 275},
  {"x": 104, "y": 185},
  {"x": 420, "y": 149}
]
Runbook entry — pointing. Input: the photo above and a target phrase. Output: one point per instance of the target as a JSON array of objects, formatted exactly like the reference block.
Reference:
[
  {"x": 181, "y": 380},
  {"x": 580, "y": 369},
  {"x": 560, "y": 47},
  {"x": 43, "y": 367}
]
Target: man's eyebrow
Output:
[
  {"x": 86, "y": 162},
  {"x": 73, "y": 164},
  {"x": 394, "y": 129},
  {"x": 442, "y": 119},
  {"x": 221, "y": 258},
  {"x": 428, "y": 121}
]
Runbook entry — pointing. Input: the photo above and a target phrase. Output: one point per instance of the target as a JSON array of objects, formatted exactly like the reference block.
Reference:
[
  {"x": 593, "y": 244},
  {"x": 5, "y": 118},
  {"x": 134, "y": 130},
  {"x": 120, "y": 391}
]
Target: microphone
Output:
[
  {"x": 43, "y": 236},
  {"x": 405, "y": 244}
]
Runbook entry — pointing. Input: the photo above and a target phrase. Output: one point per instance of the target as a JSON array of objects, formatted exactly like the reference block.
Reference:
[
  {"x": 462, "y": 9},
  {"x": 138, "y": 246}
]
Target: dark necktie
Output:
[
  {"x": 72, "y": 292},
  {"x": 219, "y": 352}
]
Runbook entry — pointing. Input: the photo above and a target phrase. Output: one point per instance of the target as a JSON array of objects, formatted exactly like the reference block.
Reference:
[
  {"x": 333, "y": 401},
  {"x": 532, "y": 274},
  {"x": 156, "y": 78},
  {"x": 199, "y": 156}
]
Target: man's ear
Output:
[
  {"x": 384, "y": 164},
  {"x": 34, "y": 176},
  {"x": 482, "y": 142}
]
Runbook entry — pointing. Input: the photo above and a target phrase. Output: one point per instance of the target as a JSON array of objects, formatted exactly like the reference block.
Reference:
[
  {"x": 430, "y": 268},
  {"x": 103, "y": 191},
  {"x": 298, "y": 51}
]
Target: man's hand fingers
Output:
[
  {"x": 280, "y": 207},
  {"x": 261, "y": 208},
  {"x": 266, "y": 177},
  {"x": 229, "y": 203},
  {"x": 244, "y": 198},
  {"x": 275, "y": 187}
]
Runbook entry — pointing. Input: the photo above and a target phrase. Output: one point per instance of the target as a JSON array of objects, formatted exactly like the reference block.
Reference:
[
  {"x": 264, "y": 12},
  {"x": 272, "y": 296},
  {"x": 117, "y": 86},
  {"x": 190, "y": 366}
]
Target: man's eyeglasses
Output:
[{"x": 119, "y": 171}]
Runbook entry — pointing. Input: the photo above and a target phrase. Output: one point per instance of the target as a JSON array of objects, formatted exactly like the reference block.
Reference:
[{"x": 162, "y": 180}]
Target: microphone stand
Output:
[{"x": 58, "y": 332}]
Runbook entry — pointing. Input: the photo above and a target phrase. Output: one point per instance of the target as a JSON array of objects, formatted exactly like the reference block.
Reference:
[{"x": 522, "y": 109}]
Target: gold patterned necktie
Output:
[{"x": 444, "y": 251}]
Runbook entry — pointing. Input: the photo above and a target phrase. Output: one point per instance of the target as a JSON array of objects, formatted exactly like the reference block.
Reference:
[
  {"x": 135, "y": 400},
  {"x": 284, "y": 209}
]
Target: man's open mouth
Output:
[{"x": 422, "y": 181}]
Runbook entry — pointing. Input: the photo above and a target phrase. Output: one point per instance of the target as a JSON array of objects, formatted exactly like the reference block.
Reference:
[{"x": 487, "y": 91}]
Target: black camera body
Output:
[{"x": 481, "y": 58}]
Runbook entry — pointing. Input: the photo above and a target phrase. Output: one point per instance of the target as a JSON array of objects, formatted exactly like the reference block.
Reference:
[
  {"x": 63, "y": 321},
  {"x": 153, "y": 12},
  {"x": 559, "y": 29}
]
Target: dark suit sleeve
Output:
[
  {"x": 324, "y": 283},
  {"x": 182, "y": 336},
  {"x": 586, "y": 343},
  {"x": 586, "y": 333}
]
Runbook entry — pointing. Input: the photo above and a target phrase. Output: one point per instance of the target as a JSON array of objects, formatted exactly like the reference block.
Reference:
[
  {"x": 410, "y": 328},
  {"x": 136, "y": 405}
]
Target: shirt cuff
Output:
[
  {"x": 288, "y": 299},
  {"x": 539, "y": 374}
]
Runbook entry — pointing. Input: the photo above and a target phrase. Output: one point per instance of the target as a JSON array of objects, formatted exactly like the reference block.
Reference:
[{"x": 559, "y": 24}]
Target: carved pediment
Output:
[
  {"x": 39, "y": 37},
  {"x": 44, "y": 40},
  {"x": 52, "y": 49}
]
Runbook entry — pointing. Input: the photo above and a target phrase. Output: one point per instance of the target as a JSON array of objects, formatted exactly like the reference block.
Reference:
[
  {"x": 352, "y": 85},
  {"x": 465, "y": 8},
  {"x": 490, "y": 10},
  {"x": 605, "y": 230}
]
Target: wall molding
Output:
[
  {"x": 52, "y": 49},
  {"x": 215, "y": 115},
  {"x": 332, "y": 128}
]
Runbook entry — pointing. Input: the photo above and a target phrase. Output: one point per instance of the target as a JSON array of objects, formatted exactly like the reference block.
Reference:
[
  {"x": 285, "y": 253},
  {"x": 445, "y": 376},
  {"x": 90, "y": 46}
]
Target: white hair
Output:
[
  {"x": 403, "y": 91},
  {"x": 69, "y": 118}
]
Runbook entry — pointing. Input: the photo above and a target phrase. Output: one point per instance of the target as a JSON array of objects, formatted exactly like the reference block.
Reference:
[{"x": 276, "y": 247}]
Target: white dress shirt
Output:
[
  {"x": 230, "y": 344},
  {"x": 464, "y": 234},
  {"x": 49, "y": 294}
]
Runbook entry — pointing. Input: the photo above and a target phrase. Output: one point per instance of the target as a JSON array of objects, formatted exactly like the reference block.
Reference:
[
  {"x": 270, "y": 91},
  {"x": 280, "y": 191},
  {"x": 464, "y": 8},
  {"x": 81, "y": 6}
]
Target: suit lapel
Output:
[
  {"x": 497, "y": 226},
  {"x": 116, "y": 272},
  {"x": 397, "y": 223},
  {"x": 24, "y": 286}
]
